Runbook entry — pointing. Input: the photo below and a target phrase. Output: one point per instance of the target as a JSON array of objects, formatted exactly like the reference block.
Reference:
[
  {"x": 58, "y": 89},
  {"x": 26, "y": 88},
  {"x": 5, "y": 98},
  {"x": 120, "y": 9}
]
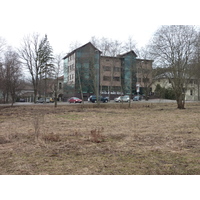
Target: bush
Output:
[
  {"x": 162, "y": 92},
  {"x": 96, "y": 135}
]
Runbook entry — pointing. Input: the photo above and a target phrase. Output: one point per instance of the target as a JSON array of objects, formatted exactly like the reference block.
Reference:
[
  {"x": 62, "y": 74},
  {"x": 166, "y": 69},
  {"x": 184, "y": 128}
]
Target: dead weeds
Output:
[{"x": 144, "y": 139}]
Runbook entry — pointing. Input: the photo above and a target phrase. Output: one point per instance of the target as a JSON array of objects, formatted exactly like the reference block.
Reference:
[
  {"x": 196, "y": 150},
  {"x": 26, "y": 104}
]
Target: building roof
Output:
[
  {"x": 89, "y": 43},
  {"x": 122, "y": 55}
]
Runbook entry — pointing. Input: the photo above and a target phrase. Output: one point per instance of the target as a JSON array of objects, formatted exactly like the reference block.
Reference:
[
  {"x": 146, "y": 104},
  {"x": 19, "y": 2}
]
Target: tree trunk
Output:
[
  {"x": 180, "y": 102},
  {"x": 55, "y": 94},
  {"x": 35, "y": 95},
  {"x": 198, "y": 90}
]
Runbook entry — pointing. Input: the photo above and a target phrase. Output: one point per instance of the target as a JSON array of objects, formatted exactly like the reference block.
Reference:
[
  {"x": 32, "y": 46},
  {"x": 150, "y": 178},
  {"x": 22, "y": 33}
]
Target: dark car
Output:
[
  {"x": 93, "y": 99},
  {"x": 74, "y": 100},
  {"x": 137, "y": 98},
  {"x": 22, "y": 100}
]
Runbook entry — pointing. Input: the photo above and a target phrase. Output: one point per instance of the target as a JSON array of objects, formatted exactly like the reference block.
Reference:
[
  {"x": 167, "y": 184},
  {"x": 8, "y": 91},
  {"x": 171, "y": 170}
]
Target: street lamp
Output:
[
  {"x": 97, "y": 75},
  {"x": 137, "y": 84}
]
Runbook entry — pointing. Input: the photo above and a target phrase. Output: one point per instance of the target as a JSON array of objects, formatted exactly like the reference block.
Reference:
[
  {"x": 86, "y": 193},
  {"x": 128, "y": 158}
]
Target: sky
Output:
[{"x": 68, "y": 21}]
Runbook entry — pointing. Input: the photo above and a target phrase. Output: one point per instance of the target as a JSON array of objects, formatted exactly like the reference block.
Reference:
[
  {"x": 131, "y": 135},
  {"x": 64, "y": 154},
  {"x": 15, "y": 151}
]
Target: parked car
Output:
[
  {"x": 137, "y": 98},
  {"x": 124, "y": 98},
  {"x": 49, "y": 100},
  {"x": 22, "y": 100},
  {"x": 74, "y": 100},
  {"x": 42, "y": 100},
  {"x": 93, "y": 99}
]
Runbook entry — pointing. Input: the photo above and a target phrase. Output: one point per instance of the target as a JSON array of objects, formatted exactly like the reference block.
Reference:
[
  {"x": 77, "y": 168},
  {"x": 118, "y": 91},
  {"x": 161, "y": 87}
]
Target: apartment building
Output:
[
  {"x": 87, "y": 71},
  {"x": 82, "y": 71},
  {"x": 110, "y": 75}
]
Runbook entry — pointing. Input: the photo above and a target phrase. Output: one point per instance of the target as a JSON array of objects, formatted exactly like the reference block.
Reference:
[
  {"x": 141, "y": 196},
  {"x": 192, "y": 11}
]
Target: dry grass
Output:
[{"x": 112, "y": 139}]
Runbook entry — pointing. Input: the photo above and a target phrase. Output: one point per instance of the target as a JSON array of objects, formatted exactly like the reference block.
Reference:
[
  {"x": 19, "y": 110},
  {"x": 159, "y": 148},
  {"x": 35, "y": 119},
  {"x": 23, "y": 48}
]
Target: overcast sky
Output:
[{"x": 68, "y": 21}]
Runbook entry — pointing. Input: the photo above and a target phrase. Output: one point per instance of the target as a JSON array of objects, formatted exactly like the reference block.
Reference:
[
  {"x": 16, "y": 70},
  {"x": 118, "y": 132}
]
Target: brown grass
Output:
[{"x": 113, "y": 139}]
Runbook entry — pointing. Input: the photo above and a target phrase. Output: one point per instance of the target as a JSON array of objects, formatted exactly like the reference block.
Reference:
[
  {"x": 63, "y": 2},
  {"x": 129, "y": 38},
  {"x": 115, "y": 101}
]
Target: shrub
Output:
[
  {"x": 162, "y": 92},
  {"x": 96, "y": 135}
]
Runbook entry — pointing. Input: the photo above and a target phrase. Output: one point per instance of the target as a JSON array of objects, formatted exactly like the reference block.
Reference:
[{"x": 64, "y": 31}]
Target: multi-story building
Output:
[
  {"x": 87, "y": 71},
  {"x": 82, "y": 71}
]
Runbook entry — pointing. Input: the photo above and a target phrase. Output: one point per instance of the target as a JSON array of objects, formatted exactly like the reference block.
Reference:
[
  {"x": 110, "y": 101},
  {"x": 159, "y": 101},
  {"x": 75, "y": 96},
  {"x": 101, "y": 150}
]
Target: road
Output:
[{"x": 86, "y": 102}]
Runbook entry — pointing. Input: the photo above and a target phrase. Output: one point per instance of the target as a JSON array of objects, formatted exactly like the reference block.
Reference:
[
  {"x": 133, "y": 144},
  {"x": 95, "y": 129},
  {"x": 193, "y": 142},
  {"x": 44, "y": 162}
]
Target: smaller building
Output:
[
  {"x": 51, "y": 90},
  {"x": 191, "y": 93},
  {"x": 26, "y": 92}
]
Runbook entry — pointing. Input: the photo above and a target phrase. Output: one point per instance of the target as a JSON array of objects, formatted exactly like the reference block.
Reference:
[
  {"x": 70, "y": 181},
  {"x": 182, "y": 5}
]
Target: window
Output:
[
  {"x": 106, "y": 68},
  {"x": 60, "y": 86},
  {"x": 116, "y": 69},
  {"x": 116, "y": 78},
  {"x": 107, "y": 78},
  {"x": 191, "y": 92}
]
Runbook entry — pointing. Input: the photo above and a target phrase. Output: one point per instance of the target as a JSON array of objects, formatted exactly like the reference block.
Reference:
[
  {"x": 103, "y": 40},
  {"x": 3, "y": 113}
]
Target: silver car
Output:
[
  {"x": 42, "y": 100},
  {"x": 137, "y": 98},
  {"x": 125, "y": 98}
]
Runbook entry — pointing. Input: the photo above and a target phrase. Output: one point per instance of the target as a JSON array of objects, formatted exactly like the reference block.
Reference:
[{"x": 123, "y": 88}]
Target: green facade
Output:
[
  {"x": 87, "y": 71},
  {"x": 128, "y": 74}
]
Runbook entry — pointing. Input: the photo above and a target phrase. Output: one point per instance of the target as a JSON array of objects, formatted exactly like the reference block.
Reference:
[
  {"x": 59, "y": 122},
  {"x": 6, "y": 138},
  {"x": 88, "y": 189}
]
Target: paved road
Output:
[{"x": 86, "y": 102}]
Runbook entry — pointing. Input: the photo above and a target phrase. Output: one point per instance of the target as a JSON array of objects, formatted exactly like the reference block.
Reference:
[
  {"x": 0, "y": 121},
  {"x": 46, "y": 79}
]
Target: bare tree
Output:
[
  {"x": 10, "y": 75},
  {"x": 145, "y": 72},
  {"x": 104, "y": 46},
  {"x": 58, "y": 72},
  {"x": 74, "y": 45},
  {"x": 35, "y": 54},
  {"x": 108, "y": 47},
  {"x": 45, "y": 53},
  {"x": 3, "y": 85},
  {"x": 2, "y": 45},
  {"x": 129, "y": 45},
  {"x": 196, "y": 64},
  {"x": 173, "y": 47},
  {"x": 144, "y": 75},
  {"x": 115, "y": 48}
]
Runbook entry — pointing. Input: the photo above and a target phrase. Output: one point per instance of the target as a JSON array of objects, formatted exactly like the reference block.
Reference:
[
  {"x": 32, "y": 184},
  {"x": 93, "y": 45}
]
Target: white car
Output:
[{"x": 125, "y": 98}]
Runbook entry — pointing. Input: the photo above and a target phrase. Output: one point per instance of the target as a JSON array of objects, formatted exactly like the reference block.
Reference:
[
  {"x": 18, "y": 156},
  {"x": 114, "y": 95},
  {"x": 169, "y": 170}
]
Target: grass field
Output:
[{"x": 110, "y": 139}]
